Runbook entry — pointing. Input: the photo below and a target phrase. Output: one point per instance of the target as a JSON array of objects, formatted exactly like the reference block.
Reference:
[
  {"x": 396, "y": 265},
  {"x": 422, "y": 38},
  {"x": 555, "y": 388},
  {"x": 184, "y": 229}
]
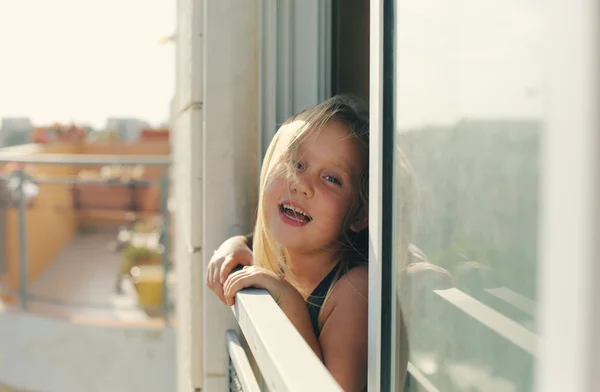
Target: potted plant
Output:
[
  {"x": 148, "y": 281},
  {"x": 148, "y": 225},
  {"x": 138, "y": 255},
  {"x": 147, "y": 275},
  {"x": 11, "y": 176},
  {"x": 58, "y": 133},
  {"x": 113, "y": 187}
]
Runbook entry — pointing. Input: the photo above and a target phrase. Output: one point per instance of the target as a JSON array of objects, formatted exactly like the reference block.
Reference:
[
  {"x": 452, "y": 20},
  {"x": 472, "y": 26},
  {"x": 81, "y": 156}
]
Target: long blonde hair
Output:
[{"x": 279, "y": 159}]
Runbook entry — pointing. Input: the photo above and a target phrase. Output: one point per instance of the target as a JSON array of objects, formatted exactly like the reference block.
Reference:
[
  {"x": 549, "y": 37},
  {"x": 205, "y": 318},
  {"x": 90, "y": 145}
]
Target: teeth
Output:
[
  {"x": 296, "y": 209},
  {"x": 294, "y": 219}
]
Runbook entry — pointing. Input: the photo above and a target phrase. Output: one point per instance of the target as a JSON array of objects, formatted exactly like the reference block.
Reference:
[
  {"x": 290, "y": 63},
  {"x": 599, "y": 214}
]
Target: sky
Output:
[
  {"x": 470, "y": 59},
  {"x": 86, "y": 60}
]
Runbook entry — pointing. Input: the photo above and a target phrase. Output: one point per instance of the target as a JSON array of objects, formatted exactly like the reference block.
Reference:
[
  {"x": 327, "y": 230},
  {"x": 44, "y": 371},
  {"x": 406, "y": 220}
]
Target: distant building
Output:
[
  {"x": 128, "y": 129},
  {"x": 16, "y": 124},
  {"x": 15, "y": 131}
]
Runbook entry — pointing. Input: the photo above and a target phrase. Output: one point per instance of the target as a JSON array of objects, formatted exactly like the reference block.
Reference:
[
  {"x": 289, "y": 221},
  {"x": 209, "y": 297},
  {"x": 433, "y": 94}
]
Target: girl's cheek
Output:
[
  {"x": 270, "y": 193},
  {"x": 337, "y": 196}
]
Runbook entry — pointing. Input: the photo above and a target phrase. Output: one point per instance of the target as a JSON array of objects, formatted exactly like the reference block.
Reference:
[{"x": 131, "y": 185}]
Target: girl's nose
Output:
[{"x": 300, "y": 184}]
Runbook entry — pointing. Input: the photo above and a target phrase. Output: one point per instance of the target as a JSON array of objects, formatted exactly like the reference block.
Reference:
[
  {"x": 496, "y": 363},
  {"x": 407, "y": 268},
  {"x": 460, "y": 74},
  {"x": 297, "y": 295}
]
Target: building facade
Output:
[{"x": 484, "y": 177}]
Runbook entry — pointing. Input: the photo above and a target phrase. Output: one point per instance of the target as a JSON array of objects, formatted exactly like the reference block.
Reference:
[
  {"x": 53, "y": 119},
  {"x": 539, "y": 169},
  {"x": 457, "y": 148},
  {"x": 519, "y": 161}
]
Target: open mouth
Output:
[{"x": 294, "y": 213}]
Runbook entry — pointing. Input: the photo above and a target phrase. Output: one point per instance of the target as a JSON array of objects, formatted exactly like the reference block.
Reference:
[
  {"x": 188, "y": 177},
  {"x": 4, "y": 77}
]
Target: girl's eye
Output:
[
  {"x": 333, "y": 180},
  {"x": 299, "y": 166}
]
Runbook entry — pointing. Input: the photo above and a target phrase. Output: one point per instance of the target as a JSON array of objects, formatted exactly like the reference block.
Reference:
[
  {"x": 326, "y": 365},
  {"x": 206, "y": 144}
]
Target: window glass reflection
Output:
[{"x": 469, "y": 116}]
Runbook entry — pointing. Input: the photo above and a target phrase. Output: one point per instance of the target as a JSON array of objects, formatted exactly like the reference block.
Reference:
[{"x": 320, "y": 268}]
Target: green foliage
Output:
[
  {"x": 145, "y": 226},
  {"x": 135, "y": 253},
  {"x": 478, "y": 197}
]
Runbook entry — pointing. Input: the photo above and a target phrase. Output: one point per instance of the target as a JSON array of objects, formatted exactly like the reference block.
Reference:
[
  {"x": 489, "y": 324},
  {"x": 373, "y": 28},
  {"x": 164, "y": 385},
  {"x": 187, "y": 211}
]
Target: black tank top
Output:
[{"x": 314, "y": 303}]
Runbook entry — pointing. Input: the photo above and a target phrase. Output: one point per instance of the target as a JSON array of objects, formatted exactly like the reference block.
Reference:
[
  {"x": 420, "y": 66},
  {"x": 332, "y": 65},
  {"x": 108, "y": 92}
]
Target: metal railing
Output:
[
  {"x": 283, "y": 357},
  {"x": 85, "y": 160},
  {"x": 241, "y": 376},
  {"x": 515, "y": 339}
]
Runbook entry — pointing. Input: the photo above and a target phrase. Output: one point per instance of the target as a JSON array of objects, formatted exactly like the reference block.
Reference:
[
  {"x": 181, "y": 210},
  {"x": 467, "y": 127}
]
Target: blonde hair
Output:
[{"x": 279, "y": 160}]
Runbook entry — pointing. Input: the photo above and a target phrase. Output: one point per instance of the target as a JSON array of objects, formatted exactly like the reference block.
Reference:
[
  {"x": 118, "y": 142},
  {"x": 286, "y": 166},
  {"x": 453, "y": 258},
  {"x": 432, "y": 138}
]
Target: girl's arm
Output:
[
  {"x": 294, "y": 307},
  {"x": 236, "y": 251},
  {"x": 342, "y": 345},
  {"x": 344, "y": 334},
  {"x": 249, "y": 238},
  {"x": 287, "y": 297}
]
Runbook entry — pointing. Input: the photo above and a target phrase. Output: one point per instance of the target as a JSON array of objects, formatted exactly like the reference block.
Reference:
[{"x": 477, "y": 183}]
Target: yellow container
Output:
[{"x": 148, "y": 281}]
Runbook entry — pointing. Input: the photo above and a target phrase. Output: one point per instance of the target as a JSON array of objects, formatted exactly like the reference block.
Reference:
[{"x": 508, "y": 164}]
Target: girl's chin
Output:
[
  {"x": 298, "y": 243},
  {"x": 287, "y": 240}
]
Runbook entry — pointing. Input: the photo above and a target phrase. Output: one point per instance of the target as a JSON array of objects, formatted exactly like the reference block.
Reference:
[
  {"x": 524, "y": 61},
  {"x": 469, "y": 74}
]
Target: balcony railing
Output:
[
  {"x": 82, "y": 160},
  {"x": 468, "y": 323},
  {"x": 285, "y": 361}
]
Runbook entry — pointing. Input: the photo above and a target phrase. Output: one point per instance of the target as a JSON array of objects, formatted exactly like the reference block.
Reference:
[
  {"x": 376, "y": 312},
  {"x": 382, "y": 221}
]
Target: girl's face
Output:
[{"x": 307, "y": 212}]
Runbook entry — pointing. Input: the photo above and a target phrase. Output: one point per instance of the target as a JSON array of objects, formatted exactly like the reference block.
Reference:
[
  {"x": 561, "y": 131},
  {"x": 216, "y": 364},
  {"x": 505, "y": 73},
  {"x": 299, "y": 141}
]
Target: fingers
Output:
[
  {"x": 237, "y": 281},
  {"x": 217, "y": 287},
  {"x": 212, "y": 277},
  {"x": 229, "y": 264},
  {"x": 227, "y": 293},
  {"x": 226, "y": 268},
  {"x": 220, "y": 268}
]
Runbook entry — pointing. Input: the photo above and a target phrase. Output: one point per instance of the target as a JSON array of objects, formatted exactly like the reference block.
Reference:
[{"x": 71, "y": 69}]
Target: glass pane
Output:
[{"x": 469, "y": 116}]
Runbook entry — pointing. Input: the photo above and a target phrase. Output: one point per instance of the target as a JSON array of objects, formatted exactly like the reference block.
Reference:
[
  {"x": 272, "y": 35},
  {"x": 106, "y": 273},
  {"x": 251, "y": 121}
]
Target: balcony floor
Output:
[
  {"x": 6, "y": 388},
  {"x": 85, "y": 272}
]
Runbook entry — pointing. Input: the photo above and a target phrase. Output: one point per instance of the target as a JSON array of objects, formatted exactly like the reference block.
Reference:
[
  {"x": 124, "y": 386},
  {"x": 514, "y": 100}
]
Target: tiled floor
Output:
[
  {"x": 5, "y": 388},
  {"x": 84, "y": 274}
]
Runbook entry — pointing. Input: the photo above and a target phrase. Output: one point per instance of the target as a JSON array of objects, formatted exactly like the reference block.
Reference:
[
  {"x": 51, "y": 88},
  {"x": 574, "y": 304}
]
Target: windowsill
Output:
[{"x": 282, "y": 355}]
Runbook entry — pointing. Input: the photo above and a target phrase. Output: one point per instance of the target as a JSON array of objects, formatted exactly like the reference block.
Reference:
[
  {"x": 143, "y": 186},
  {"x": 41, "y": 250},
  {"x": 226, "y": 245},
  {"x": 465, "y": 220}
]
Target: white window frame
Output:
[
  {"x": 375, "y": 186},
  {"x": 282, "y": 356},
  {"x": 295, "y": 61},
  {"x": 569, "y": 311}
]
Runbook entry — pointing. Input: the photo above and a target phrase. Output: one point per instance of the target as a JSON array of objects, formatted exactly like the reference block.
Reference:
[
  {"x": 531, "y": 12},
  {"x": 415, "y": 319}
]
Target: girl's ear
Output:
[{"x": 360, "y": 223}]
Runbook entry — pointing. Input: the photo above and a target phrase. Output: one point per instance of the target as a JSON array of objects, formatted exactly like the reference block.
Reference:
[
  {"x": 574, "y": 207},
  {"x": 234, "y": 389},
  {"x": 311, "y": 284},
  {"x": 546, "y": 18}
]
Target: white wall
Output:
[
  {"x": 230, "y": 150},
  {"x": 186, "y": 152},
  {"x": 295, "y": 60},
  {"x": 215, "y": 165},
  {"x": 54, "y": 355}
]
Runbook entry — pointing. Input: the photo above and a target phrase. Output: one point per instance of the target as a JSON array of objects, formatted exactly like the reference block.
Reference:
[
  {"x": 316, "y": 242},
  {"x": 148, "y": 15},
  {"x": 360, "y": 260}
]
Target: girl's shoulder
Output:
[
  {"x": 347, "y": 303},
  {"x": 357, "y": 279},
  {"x": 352, "y": 286}
]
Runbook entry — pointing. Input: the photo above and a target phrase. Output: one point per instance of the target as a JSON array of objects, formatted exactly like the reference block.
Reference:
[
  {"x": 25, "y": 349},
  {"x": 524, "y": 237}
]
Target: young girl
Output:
[{"x": 309, "y": 243}]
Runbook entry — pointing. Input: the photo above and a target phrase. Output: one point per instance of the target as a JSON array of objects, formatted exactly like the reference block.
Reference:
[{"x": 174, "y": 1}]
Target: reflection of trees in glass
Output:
[{"x": 477, "y": 185}]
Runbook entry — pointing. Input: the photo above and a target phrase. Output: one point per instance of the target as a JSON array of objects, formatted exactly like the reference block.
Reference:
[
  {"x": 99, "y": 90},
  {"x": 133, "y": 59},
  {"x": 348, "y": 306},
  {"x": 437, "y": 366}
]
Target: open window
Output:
[{"x": 484, "y": 127}]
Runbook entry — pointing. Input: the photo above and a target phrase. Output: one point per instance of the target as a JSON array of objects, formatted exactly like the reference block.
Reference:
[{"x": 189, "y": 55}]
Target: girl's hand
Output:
[
  {"x": 259, "y": 278},
  {"x": 287, "y": 297},
  {"x": 232, "y": 253}
]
